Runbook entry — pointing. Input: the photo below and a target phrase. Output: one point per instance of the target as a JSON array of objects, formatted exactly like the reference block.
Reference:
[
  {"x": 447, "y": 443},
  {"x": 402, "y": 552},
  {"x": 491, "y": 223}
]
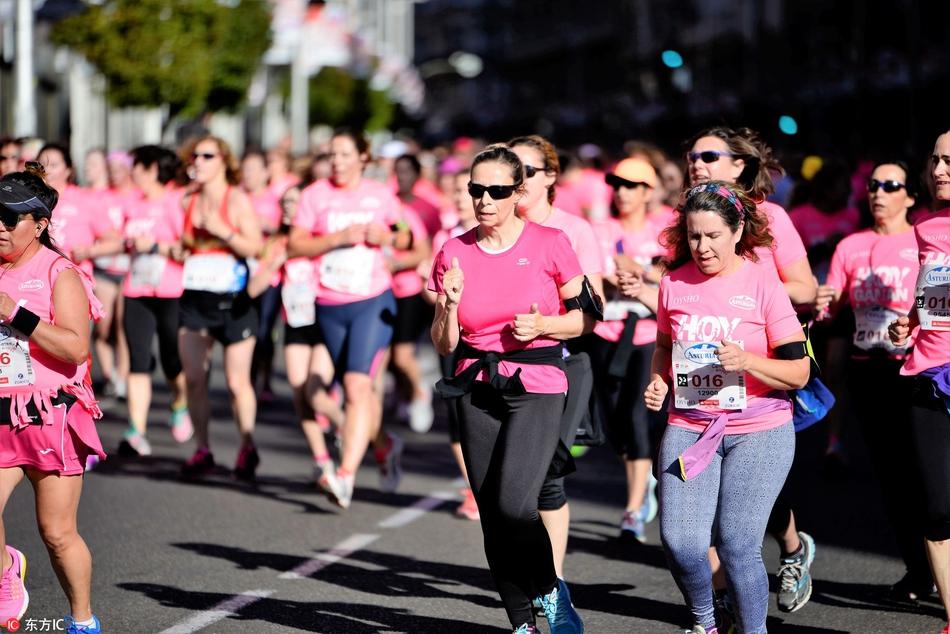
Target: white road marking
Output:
[
  {"x": 417, "y": 510},
  {"x": 339, "y": 552},
  {"x": 228, "y": 607}
]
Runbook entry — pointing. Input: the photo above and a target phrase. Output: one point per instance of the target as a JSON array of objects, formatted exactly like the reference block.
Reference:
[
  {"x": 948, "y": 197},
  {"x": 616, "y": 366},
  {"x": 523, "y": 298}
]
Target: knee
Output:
[
  {"x": 737, "y": 546},
  {"x": 358, "y": 387},
  {"x": 517, "y": 512},
  {"x": 685, "y": 548},
  {"x": 239, "y": 384},
  {"x": 58, "y": 536}
]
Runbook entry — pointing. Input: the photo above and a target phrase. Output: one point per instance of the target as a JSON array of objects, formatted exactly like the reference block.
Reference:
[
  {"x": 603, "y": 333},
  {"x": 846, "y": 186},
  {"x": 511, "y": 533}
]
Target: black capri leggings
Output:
[
  {"x": 930, "y": 425},
  {"x": 508, "y": 443},
  {"x": 144, "y": 318}
]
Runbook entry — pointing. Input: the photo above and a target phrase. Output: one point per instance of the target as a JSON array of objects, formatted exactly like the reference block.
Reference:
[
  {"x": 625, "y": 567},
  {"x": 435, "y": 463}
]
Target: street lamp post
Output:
[{"x": 24, "y": 119}]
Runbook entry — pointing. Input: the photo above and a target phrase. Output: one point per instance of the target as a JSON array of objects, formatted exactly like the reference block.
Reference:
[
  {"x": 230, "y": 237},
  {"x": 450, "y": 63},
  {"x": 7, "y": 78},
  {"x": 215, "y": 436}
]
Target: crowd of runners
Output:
[{"x": 667, "y": 305}]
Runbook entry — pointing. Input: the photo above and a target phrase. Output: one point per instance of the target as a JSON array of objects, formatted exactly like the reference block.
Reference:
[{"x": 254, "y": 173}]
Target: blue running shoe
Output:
[
  {"x": 561, "y": 616},
  {"x": 72, "y": 627},
  {"x": 794, "y": 576}
]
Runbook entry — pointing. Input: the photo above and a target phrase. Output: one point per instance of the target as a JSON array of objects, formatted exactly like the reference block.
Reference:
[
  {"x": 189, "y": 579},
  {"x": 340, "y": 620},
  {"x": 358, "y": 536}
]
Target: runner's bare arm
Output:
[
  {"x": 68, "y": 338},
  {"x": 781, "y": 374},
  {"x": 246, "y": 240},
  {"x": 799, "y": 282},
  {"x": 304, "y": 244}
]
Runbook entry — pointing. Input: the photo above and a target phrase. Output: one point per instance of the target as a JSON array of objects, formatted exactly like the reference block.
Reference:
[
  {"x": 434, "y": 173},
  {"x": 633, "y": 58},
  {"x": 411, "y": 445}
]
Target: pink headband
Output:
[{"x": 721, "y": 190}]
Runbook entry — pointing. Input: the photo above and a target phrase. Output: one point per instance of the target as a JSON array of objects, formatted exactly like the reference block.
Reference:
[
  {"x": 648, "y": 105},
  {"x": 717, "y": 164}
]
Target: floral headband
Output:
[{"x": 721, "y": 190}]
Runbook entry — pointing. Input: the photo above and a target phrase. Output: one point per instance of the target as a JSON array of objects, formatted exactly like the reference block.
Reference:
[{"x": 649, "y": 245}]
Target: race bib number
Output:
[
  {"x": 348, "y": 270},
  {"x": 147, "y": 270},
  {"x": 215, "y": 273},
  {"x": 117, "y": 263},
  {"x": 299, "y": 294},
  {"x": 932, "y": 297},
  {"x": 617, "y": 310},
  {"x": 699, "y": 381},
  {"x": 16, "y": 366},
  {"x": 870, "y": 328}
]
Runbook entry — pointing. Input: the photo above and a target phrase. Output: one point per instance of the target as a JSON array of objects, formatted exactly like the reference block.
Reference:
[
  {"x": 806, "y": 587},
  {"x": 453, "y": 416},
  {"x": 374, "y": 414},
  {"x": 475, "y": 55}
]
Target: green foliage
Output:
[
  {"x": 338, "y": 98},
  {"x": 194, "y": 55}
]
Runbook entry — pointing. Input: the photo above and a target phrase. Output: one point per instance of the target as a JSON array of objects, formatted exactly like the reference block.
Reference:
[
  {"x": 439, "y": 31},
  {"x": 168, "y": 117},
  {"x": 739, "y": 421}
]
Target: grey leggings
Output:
[{"x": 728, "y": 504}]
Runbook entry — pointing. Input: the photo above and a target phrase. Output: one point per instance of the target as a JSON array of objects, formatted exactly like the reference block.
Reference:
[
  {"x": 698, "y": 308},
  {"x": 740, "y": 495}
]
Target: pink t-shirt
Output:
[
  {"x": 267, "y": 206},
  {"x": 430, "y": 215},
  {"x": 569, "y": 200},
  {"x": 662, "y": 217},
  {"x": 114, "y": 204},
  {"x": 581, "y": 236},
  {"x": 594, "y": 193},
  {"x": 749, "y": 306},
  {"x": 876, "y": 271},
  {"x": 932, "y": 348},
  {"x": 787, "y": 246},
  {"x": 815, "y": 226},
  {"x": 643, "y": 246},
  {"x": 78, "y": 221},
  {"x": 163, "y": 220},
  {"x": 349, "y": 274},
  {"x": 279, "y": 186},
  {"x": 408, "y": 283},
  {"x": 499, "y": 286}
]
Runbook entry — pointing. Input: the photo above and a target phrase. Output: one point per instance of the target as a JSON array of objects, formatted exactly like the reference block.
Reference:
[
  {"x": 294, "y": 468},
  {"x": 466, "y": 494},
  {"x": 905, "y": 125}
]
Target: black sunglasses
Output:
[
  {"x": 889, "y": 186},
  {"x": 617, "y": 182},
  {"x": 497, "y": 192},
  {"x": 531, "y": 170},
  {"x": 205, "y": 155},
  {"x": 706, "y": 156},
  {"x": 9, "y": 219}
]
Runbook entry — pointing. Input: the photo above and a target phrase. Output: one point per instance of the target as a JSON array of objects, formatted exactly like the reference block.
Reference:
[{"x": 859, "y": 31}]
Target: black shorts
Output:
[
  {"x": 113, "y": 278},
  {"x": 146, "y": 317},
  {"x": 228, "y": 317},
  {"x": 413, "y": 317},
  {"x": 304, "y": 335}
]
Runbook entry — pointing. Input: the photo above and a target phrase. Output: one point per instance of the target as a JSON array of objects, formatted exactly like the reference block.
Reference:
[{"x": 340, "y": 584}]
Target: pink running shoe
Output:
[
  {"x": 14, "y": 598},
  {"x": 468, "y": 509},
  {"x": 180, "y": 420}
]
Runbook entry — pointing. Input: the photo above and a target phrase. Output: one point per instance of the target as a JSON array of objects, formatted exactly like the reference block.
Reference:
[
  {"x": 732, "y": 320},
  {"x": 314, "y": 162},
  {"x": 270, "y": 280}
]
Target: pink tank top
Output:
[{"x": 27, "y": 372}]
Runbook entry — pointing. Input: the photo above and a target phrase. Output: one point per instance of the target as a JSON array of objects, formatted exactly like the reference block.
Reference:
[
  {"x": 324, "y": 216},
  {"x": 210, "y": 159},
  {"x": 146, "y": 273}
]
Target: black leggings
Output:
[
  {"x": 930, "y": 425},
  {"x": 144, "y": 318},
  {"x": 508, "y": 443}
]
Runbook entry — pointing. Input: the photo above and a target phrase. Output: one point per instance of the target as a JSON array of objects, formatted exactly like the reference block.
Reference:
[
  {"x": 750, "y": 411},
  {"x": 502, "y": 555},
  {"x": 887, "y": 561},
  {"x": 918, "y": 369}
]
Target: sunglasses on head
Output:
[
  {"x": 889, "y": 186},
  {"x": 531, "y": 170},
  {"x": 706, "y": 156},
  {"x": 9, "y": 219},
  {"x": 497, "y": 192},
  {"x": 205, "y": 155},
  {"x": 617, "y": 182}
]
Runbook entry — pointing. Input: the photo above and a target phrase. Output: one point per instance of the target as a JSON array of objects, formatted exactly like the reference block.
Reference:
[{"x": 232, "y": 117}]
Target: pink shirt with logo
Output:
[
  {"x": 325, "y": 208},
  {"x": 871, "y": 270},
  {"x": 643, "y": 246},
  {"x": 499, "y": 286},
  {"x": 748, "y": 306},
  {"x": 815, "y": 226},
  {"x": 787, "y": 246},
  {"x": 408, "y": 283},
  {"x": 163, "y": 220},
  {"x": 932, "y": 348},
  {"x": 78, "y": 222}
]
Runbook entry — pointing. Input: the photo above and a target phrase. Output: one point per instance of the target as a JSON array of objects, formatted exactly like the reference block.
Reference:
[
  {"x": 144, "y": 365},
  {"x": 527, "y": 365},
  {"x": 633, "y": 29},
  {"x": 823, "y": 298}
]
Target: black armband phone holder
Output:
[
  {"x": 587, "y": 301},
  {"x": 791, "y": 351}
]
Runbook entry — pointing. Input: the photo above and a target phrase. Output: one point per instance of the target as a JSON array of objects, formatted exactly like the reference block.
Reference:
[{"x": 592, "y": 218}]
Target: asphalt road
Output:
[{"x": 224, "y": 556}]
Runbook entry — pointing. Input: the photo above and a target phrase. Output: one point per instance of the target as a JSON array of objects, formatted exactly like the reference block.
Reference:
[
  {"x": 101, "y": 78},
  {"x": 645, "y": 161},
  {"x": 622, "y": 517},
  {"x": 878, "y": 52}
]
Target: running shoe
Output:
[
  {"x": 421, "y": 414},
  {"x": 72, "y": 627},
  {"x": 389, "y": 461},
  {"x": 200, "y": 464},
  {"x": 579, "y": 450},
  {"x": 134, "y": 445},
  {"x": 725, "y": 612},
  {"x": 561, "y": 615},
  {"x": 468, "y": 509},
  {"x": 631, "y": 526},
  {"x": 91, "y": 461},
  {"x": 14, "y": 598},
  {"x": 527, "y": 628},
  {"x": 246, "y": 464},
  {"x": 180, "y": 421},
  {"x": 911, "y": 590},
  {"x": 650, "y": 505},
  {"x": 794, "y": 576},
  {"x": 323, "y": 475},
  {"x": 699, "y": 629},
  {"x": 267, "y": 395},
  {"x": 341, "y": 488}
]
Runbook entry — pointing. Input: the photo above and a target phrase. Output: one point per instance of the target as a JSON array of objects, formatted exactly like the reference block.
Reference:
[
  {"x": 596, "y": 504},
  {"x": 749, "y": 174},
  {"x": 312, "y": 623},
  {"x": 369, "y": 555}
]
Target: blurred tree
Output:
[
  {"x": 194, "y": 55},
  {"x": 339, "y": 98}
]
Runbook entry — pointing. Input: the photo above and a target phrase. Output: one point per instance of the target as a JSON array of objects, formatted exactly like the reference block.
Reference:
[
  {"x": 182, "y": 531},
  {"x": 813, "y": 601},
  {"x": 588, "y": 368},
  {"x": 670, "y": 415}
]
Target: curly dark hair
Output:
[{"x": 733, "y": 205}]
